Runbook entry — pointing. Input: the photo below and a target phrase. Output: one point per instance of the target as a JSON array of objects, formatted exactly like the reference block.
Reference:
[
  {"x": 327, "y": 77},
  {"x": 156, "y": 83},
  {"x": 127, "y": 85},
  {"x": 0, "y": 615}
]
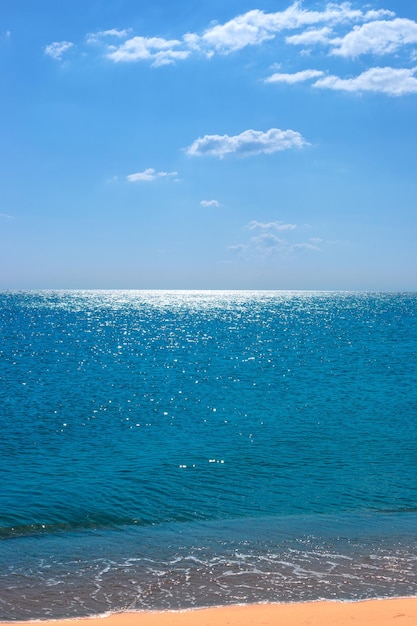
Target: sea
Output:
[{"x": 180, "y": 449}]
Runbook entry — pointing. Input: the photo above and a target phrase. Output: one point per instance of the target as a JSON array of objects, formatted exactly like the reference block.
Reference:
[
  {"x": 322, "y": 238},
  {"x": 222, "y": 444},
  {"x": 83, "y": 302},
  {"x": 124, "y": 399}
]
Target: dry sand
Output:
[{"x": 395, "y": 612}]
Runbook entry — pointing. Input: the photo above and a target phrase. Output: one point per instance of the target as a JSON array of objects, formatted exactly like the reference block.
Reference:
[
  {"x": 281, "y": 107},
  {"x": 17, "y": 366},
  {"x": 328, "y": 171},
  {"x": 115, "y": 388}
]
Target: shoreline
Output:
[{"x": 377, "y": 612}]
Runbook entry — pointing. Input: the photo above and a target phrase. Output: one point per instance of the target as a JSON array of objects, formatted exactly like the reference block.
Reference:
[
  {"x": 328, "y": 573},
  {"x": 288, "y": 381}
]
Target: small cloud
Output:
[
  {"x": 115, "y": 32},
  {"x": 210, "y": 203},
  {"x": 311, "y": 37},
  {"x": 254, "y": 224},
  {"x": 251, "y": 28},
  {"x": 265, "y": 242},
  {"x": 156, "y": 49},
  {"x": 112, "y": 32},
  {"x": 192, "y": 40},
  {"x": 388, "y": 80},
  {"x": 305, "y": 246},
  {"x": 250, "y": 142},
  {"x": 146, "y": 175},
  {"x": 56, "y": 49},
  {"x": 239, "y": 248},
  {"x": 297, "y": 77},
  {"x": 149, "y": 175},
  {"x": 6, "y": 216}
]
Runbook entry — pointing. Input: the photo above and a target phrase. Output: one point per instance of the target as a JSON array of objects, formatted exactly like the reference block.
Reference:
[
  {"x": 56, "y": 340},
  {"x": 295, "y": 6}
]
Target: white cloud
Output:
[
  {"x": 248, "y": 29},
  {"x": 255, "y": 27},
  {"x": 345, "y": 30},
  {"x": 6, "y": 216},
  {"x": 112, "y": 32},
  {"x": 388, "y": 80},
  {"x": 210, "y": 203},
  {"x": 374, "y": 32},
  {"x": 149, "y": 175},
  {"x": 56, "y": 49},
  {"x": 156, "y": 49},
  {"x": 297, "y": 77},
  {"x": 115, "y": 32},
  {"x": 247, "y": 143},
  {"x": 265, "y": 242},
  {"x": 305, "y": 246},
  {"x": 238, "y": 248},
  {"x": 311, "y": 37},
  {"x": 380, "y": 37},
  {"x": 254, "y": 224}
]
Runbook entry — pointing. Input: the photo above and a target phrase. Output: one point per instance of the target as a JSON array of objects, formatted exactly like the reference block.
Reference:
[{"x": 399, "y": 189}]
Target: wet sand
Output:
[{"x": 391, "y": 612}]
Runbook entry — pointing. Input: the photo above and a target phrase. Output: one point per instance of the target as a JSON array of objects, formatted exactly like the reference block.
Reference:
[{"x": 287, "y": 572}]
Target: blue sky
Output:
[{"x": 208, "y": 145}]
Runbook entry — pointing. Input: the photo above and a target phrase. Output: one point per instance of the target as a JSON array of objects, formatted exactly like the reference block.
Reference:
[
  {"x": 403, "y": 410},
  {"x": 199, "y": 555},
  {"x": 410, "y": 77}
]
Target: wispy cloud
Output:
[
  {"x": 255, "y": 225},
  {"x": 148, "y": 175},
  {"x": 250, "y": 142},
  {"x": 297, "y": 77},
  {"x": 104, "y": 34},
  {"x": 210, "y": 203},
  {"x": 56, "y": 49},
  {"x": 155, "y": 49},
  {"x": 305, "y": 246},
  {"x": 388, "y": 80},
  {"x": 265, "y": 243},
  {"x": 6, "y": 216},
  {"x": 238, "y": 248},
  {"x": 311, "y": 37}
]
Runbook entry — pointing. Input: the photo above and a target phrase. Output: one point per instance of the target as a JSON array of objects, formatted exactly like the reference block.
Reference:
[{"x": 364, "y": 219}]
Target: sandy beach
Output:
[{"x": 390, "y": 612}]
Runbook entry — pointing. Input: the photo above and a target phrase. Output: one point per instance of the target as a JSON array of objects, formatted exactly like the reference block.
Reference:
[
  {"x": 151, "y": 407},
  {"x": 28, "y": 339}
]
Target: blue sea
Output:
[{"x": 177, "y": 449}]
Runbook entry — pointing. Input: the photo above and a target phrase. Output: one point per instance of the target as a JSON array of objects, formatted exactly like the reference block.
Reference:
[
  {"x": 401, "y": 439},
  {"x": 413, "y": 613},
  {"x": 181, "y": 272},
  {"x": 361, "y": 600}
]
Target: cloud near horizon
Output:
[
  {"x": 265, "y": 242},
  {"x": 249, "y": 142}
]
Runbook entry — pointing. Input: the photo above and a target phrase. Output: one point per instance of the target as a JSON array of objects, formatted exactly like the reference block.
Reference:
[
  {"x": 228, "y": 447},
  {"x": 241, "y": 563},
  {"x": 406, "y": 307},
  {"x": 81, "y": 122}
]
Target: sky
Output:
[{"x": 224, "y": 144}]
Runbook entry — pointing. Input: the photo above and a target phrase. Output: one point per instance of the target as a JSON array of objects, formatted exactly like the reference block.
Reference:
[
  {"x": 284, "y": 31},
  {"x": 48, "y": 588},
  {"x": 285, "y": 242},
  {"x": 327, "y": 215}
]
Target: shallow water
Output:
[{"x": 176, "y": 449}]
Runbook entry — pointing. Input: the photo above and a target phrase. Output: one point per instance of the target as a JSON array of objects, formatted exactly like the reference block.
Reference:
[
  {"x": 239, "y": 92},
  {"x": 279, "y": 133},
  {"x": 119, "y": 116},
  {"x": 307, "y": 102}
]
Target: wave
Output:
[
  {"x": 366, "y": 521},
  {"x": 40, "y": 529}
]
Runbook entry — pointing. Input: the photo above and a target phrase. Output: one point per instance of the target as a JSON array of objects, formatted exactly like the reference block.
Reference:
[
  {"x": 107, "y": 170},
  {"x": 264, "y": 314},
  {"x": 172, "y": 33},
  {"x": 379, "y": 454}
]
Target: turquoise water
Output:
[{"x": 166, "y": 449}]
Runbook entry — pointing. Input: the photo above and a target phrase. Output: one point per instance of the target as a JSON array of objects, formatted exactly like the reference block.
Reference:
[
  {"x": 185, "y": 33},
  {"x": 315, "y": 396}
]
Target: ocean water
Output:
[{"x": 174, "y": 449}]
